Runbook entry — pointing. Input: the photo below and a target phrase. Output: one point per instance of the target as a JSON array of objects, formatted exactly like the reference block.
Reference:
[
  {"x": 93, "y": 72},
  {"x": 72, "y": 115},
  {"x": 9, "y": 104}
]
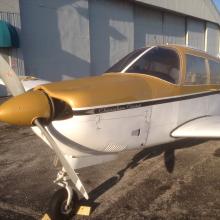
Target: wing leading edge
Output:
[{"x": 204, "y": 127}]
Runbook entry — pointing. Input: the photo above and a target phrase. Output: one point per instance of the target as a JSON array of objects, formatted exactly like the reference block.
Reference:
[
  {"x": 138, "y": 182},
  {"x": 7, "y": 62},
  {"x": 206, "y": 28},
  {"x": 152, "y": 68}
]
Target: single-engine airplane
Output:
[{"x": 154, "y": 95}]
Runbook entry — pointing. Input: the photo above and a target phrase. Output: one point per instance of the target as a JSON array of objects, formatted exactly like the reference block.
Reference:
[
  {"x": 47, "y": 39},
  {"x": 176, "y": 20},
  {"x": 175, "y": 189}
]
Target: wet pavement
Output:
[{"x": 172, "y": 181}]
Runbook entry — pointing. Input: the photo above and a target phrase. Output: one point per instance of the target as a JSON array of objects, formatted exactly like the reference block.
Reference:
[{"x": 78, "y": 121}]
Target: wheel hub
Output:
[{"x": 66, "y": 209}]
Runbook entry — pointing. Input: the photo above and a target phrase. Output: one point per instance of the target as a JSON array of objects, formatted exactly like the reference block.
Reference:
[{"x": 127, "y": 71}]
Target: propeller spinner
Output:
[{"x": 25, "y": 108}]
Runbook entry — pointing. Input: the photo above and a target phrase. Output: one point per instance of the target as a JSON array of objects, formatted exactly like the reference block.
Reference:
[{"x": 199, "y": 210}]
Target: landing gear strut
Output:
[{"x": 65, "y": 201}]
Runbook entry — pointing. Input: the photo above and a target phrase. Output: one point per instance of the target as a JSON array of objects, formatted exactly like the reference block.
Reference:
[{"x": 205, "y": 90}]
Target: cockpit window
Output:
[
  {"x": 196, "y": 72},
  {"x": 159, "y": 62},
  {"x": 121, "y": 64},
  {"x": 214, "y": 71}
]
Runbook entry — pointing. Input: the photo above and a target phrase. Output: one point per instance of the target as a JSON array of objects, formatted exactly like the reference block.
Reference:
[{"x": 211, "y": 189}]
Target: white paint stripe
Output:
[
  {"x": 136, "y": 59},
  {"x": 206, "y": 37},
  {"x": 20, "y": 210}
]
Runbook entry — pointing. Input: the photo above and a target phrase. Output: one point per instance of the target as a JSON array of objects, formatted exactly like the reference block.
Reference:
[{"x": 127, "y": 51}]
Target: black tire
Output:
[{"x": 56, "y": 207}]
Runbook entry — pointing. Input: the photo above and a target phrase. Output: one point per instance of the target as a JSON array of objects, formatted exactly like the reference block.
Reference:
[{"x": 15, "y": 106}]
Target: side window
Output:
[
  {"x": 160, "y": 62},
  {"x": 195, "y": 70},
  {"x": 214, "y": 71}
]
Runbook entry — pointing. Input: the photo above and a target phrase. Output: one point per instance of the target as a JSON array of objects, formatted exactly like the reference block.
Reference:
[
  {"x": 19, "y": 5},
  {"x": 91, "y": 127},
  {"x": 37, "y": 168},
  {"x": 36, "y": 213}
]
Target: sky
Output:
[{"x": 217, "y": 2}]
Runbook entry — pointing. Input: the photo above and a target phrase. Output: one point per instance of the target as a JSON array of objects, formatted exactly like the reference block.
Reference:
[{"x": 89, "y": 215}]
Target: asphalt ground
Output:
[{"x": 172, "y": 181}]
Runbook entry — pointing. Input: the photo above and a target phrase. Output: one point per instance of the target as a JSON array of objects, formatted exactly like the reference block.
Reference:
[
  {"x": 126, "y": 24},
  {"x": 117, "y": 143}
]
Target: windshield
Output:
[
  {"x": 121, "y": 64},
  {"x": 159, "y": 62}
]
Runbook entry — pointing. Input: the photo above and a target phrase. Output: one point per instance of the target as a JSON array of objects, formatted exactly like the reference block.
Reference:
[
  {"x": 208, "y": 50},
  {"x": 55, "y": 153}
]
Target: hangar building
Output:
[{"x": 61, "y": 39}]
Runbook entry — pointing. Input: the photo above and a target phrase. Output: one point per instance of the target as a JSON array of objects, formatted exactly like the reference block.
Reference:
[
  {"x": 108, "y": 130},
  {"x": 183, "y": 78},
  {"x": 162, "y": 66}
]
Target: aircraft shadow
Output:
[{"x": 169, "y": 161}]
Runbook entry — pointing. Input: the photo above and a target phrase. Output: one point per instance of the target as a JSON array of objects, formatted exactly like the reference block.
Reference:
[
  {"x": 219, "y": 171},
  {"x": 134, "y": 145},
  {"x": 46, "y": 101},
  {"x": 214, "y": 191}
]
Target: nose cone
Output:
[{"x": 24, "y": 109}]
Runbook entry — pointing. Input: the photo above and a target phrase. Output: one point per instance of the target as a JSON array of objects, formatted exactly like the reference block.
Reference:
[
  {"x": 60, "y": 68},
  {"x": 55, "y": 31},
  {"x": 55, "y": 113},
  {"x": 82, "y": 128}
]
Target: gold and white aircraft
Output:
[{"x": 152, "y": 96}]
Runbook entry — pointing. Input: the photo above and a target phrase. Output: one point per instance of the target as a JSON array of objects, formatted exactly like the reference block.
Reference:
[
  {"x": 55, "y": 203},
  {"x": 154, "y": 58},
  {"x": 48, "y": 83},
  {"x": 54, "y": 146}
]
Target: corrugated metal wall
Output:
[
  {"x": 148, "y": 26},
  {"x": 55, "y": 38},
  {"x": 174, "y": 29},
  {"x": 212, "y": 41},
  {"x": 202, "y": 9},
  {"x": 111, "y": 33},
  {"x": 113, "y": 30},
  {"x": 196, "y": 33},
  {"x": 78, "y": 38},
  {"x": 17, "y": 61}
]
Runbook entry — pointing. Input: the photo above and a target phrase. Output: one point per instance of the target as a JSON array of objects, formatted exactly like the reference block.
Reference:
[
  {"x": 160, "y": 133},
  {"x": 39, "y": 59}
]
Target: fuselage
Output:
[{"x": 138, "y": 104}]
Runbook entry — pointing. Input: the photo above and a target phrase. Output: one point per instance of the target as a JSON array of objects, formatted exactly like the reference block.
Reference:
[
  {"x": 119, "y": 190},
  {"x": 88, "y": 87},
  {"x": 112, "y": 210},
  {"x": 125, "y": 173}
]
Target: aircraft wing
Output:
[
  {"x": 204, "y": 127},
  {"x": 27, "y": 81}
]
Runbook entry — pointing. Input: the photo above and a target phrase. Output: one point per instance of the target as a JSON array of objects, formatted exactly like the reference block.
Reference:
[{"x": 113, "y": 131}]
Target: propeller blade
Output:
[
  {"x": 70, "y": 171},
  {"x": 10, "y": 78}
]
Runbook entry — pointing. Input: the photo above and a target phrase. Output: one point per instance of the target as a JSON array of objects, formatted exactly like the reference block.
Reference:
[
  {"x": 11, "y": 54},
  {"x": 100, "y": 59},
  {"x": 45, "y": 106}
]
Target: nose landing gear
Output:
[{"x": 65, "y": 202}]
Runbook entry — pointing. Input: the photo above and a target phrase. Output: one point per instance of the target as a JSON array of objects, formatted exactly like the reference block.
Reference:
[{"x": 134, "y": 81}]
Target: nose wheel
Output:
[
  {"x": 65, "y": 202},
  {"x": 58, "y": 208}
]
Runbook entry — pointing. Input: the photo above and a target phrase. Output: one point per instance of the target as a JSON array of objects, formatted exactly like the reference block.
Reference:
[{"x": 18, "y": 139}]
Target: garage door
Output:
[
  {"x": 174, "y": 29},
  {"x": 111, "y": 33},
  {"x": 212, "y": 42},
  {"x": 196, "y": 34},
  {"x": 148, "y": 29}
]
